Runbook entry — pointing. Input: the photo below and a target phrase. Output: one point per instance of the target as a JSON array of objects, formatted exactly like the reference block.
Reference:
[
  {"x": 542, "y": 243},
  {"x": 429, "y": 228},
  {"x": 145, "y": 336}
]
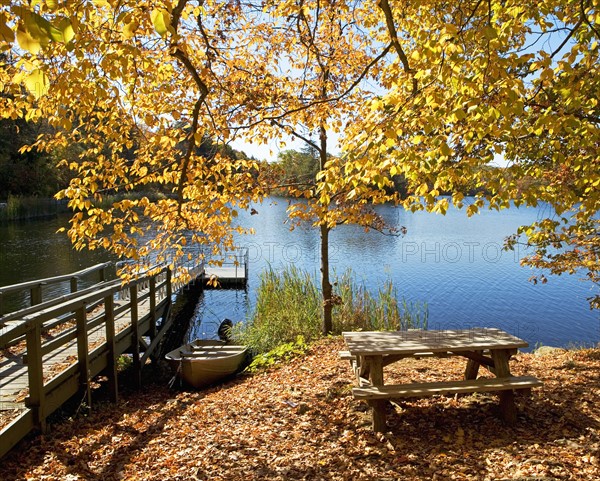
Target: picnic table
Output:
[{"x": 370, "y": 351}]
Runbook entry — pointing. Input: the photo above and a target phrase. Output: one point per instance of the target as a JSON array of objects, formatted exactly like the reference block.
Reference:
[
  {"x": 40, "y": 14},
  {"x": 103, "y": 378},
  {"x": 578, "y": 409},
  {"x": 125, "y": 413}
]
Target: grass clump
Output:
[
  {"x": 289, "y": 305},
  {"x": 359, "y": 309}
]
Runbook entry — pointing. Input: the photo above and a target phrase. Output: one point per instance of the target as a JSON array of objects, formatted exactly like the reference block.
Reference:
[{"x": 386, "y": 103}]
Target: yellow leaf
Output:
[
  {"x": 472, "y": 209},
  {"x": 490, "y": 33},
  {"x": 161, "y": 19},
  {"x": 422, "y": 189},
  {"x": 37, "y": 83},
  {"x": 6, "y": 33},
  {"x": 130, "y": 28},
  {"x": 27, "y": 42},
  {"x": 66, "y": 29}
]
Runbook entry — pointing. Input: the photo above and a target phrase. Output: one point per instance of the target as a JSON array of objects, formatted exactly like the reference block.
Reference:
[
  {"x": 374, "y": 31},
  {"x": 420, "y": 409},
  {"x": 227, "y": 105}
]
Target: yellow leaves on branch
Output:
[
  {"x": 161, "y": 19},
  {"x": 456, "y": 98},
  {"x": 34, "y": 32}
]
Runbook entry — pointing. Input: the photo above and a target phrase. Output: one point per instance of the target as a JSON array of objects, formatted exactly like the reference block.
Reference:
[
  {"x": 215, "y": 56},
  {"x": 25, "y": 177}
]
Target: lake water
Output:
[{"x": 453, "y": 263}]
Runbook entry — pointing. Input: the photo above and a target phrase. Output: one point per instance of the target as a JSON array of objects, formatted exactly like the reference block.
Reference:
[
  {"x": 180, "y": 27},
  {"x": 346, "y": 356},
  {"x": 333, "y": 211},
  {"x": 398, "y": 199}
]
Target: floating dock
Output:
[{"x": 232, "y": 272}]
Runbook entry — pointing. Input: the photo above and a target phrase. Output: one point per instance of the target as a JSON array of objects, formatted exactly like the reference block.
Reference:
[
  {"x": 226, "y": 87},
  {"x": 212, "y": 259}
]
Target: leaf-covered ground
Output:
[{"x": 301, "y": 422}]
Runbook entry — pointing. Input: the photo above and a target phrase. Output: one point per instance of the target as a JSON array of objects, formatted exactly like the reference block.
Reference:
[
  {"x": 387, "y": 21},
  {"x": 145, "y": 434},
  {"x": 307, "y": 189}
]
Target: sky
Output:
[{"x": 269, "y": 152}]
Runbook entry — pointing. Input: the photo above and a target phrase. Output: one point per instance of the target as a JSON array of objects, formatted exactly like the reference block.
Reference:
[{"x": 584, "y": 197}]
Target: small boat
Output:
[{"x": 203, "y": 362}]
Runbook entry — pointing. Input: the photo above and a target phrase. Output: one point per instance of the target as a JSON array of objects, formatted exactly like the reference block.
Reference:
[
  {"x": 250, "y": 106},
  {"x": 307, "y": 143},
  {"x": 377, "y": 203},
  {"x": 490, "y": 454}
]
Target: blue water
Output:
[{"x": 453, "y": 263}]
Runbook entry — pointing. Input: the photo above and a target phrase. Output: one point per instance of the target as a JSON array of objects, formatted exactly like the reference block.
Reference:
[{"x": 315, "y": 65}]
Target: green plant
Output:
[
  {"x": 281, "y": 353},
  {"x": 288, "y": 305},
  {"x": 124, "y": 362},
  {"x": 358, "y": 309}
]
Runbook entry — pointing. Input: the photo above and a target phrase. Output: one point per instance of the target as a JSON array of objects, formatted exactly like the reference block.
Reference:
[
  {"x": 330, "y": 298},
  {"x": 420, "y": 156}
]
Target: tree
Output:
[
  {"x": 298, "y": 168},
  {"x": 433, "y": 91},
  {"x": 327, "y": 59},
  {"x": 27, "y": 173},
  {"x": 475, "y": 80},
  {"x": 106, "y": 74}
]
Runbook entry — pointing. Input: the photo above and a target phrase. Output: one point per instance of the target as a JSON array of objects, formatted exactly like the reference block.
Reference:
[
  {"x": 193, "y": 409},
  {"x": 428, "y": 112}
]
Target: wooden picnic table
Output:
[{"x": 371, "y": 351}]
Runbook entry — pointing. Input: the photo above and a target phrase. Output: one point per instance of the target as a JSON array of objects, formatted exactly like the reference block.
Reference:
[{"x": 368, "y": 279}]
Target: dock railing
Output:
[
  {"x": 36, "y": 289},
  {"x": 91, "y": 328}
]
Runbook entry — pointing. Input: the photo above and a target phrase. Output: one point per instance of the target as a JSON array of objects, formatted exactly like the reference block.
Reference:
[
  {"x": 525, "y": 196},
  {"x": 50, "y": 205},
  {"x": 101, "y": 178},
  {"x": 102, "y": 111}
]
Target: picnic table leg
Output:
[
  {"x": 375, "y": 364},
  {"x": 364, "y": 368},
  {"x": 472, "y": 368},
  {"x": 507, "y": 398}
]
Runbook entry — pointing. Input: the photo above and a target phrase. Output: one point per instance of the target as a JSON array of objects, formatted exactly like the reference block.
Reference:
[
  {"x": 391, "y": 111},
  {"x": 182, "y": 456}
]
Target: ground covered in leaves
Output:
[{"x": 301, "y": 422}]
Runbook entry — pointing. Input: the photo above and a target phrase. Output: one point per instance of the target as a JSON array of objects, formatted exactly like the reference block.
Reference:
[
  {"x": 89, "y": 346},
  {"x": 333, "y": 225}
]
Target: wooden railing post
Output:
[
  {"x": 153, "y": 307},
  {"x": 135, "y": 333},
  {"x": 35, "y": 372},
  {"x": 109, "y": 319},
  {"x": 73, "y": 282},
  {"x": 102, "y": 274},
  {"x": 36, "y": 294},
  {"x": 169, "y": 285},
  {"x": 83, "y": 353}
]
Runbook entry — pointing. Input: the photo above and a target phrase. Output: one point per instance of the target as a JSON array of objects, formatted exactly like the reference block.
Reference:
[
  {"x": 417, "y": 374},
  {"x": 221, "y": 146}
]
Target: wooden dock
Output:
[
  {"x": 53, "y": 349},
  {"x": 229, "y": 272}
]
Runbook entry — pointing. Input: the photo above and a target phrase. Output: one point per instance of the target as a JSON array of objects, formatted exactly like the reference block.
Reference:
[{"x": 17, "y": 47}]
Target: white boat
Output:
[{"x": 203, "y": 362}]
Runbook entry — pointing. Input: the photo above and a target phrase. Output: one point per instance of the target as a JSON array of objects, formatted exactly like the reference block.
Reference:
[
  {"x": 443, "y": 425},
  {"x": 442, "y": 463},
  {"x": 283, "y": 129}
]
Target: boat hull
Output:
[{"x": 204, "y": 362}]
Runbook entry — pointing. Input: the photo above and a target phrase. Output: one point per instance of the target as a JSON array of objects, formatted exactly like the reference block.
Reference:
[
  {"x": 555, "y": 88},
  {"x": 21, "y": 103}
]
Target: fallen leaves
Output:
[{"x": 301, "y": 422}]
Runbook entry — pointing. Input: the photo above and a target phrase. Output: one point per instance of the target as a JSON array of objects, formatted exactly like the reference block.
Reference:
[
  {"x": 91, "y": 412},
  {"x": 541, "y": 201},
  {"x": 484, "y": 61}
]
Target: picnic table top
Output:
[{"x": 376, "y": 343}]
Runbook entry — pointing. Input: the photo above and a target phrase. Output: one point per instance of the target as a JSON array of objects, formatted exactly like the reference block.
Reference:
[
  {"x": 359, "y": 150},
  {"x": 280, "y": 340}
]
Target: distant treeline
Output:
[{"x": 29, "y": 178}]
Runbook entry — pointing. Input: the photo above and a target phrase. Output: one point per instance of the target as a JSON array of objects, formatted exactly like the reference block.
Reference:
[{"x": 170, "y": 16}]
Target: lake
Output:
[{"x": 453, "y": 263}]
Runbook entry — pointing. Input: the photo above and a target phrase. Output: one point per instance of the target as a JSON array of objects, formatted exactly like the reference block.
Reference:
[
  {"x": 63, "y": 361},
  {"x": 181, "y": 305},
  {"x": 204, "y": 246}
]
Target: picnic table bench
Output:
[{"x": 370, "y": 351}]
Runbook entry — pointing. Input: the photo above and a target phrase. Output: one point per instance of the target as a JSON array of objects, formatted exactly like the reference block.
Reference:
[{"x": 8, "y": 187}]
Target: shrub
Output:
[{"x": 288, "y": 305}]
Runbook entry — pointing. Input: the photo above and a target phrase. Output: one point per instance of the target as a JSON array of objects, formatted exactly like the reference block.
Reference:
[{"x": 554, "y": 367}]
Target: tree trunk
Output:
[{"x": 325, "y": 284}]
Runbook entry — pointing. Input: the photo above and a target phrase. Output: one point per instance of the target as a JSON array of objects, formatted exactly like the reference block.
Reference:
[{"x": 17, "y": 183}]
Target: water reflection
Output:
[
  {"x": 454, "y": 263},
  {"x": 32, "y": 250}
]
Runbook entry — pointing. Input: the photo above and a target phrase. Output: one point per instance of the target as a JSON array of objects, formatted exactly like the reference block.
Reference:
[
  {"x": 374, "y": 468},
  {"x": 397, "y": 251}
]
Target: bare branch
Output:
[
  {"x": 296, "y": 134},
  {"x": 336, "y": 98},
  {"x": 568, "y": 37},
  {"x": 179, "y": 54},
  {"x": 391, "y": 26}
]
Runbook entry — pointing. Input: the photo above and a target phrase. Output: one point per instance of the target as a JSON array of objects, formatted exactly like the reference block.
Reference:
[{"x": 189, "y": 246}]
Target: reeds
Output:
[
  {"x": 289, "y": 303},
  {"x": 20, "y": 208}
]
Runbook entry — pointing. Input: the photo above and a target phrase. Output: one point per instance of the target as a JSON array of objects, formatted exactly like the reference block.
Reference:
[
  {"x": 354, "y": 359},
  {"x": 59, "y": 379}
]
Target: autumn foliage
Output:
[{"x": 434, "y": 91}]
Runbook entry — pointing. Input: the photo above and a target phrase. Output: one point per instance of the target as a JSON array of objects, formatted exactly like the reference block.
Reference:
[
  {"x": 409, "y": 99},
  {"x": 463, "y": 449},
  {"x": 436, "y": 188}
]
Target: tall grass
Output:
[
  {"x": 289, "y": 303},
  {"x": 19, "y": 208},
  {"x": 359, "y": 309}
]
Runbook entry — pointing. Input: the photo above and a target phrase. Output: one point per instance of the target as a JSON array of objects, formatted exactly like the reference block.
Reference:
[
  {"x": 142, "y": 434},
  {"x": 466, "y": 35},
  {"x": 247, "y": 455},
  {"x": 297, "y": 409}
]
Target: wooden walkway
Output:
[
  {"x": 53, "y": 349},
  {"x": 232, "y": 271}
]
